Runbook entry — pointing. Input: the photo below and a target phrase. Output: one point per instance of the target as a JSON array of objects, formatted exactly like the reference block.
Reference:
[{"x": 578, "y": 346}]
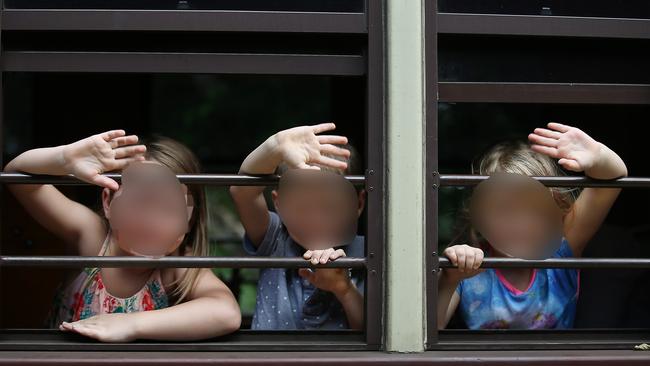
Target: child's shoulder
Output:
[
  {"x": 356, "y": 248},
  {"x": 564, "y": 250}
]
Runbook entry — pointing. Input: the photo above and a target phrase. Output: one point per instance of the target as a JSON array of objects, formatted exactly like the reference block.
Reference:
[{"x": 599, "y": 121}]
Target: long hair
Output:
[{"x": 179, "y": 159}]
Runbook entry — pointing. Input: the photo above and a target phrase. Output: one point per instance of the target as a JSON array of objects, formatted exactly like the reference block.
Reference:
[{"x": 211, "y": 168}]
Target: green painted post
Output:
[{"x": 405, "y": 296}]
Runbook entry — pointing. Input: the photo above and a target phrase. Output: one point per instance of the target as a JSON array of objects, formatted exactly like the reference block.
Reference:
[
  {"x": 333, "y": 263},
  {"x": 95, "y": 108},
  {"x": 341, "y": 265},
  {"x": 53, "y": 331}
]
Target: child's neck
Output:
[
  {"x": 123, "y": 282},
  {"x": 518, "y": 277}
]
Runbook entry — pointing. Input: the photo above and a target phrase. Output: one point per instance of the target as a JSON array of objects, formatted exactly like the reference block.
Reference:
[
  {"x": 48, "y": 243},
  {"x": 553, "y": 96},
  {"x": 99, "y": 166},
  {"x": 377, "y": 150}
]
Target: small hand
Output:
[
  {"x": 574, "y": 149},
  {"x": 116, "y": 327},
  {"x": 466, "y": 258},
  {"x": 335, "y": 280},
  {"x": 302, "y": 147},
  {"x": 87, "y": 159}
]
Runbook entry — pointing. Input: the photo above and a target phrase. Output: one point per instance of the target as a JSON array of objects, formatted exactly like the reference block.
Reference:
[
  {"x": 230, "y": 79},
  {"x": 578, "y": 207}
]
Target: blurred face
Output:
[
  {"x": 517, "y": 216},
  {"x": 319, "y": 209},
  {"x": 149, "y": 214}
]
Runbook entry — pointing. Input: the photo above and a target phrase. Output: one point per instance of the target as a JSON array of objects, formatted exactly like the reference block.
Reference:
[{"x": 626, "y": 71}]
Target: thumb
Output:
[
  {"x": 570, "y": 164},
  {"x": 307, "y": 166},
  {"x": 105, "y": 182}
]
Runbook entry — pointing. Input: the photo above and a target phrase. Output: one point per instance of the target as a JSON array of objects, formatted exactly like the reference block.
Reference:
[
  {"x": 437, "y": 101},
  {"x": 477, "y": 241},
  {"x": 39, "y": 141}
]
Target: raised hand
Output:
[
  {"x": 302, "y": 147},
  {"x": 87, "y": 159},
  {"x": 577, "y": 151},
  {"x": 574, "y": 149}
]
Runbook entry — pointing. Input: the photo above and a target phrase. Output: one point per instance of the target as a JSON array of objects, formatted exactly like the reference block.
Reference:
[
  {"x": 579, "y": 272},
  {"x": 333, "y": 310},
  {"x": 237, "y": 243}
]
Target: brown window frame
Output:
[
  {"x": 369, "y": 65},
  {"x": 437, "y": 24}
]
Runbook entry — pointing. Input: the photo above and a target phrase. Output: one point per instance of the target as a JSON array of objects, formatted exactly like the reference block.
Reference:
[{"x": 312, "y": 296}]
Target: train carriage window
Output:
[
  {"x": 222, "y": 75},
  {"x": 220, "y": 78},
  {"x": 503, "y": 68}
]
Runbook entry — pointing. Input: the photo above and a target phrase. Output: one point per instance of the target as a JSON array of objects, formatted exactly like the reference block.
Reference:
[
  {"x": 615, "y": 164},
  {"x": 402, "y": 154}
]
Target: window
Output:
[
  {"x": 501, "y": 69},
  {"x": 221, "y": 75},
  {"x": 220, "y": 80}
]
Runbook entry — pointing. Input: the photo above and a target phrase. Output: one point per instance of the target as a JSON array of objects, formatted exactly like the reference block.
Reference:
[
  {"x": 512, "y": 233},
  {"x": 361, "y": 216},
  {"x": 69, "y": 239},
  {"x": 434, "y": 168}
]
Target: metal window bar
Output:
[
  {"x": 178, "y": 62},
  {"x": 375, "y": 188},
  {"x": 431, "y": 165},
  {"x": 183, "y": 20},
  {"x": 542, "y": 25},
  {"x": 205, "y": 179},
  {"x": 174, "y": 262},
  {"x": 39, "y": 340},
  {"x": 443, "y": 180},
  {"x": 637, "y": 263},
  {"x": 461, "y": 180},
  {"x": 543, "y": 93}
]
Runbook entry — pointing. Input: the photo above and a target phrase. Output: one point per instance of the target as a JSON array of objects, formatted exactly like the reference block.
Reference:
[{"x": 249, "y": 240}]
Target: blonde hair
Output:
[
  {"x": 517, "y": 157},
  {"x": 179, "y": 159}
]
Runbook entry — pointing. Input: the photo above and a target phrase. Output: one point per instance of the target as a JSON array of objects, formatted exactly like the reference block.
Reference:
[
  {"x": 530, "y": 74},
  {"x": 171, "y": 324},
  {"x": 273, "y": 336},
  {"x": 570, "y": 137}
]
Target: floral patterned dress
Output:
[{"x": 87, "y": 296}]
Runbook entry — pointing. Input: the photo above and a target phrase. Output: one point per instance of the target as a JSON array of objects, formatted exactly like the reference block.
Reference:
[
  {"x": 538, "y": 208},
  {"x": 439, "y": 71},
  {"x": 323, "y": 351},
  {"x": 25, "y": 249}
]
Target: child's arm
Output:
[
  {"x": 578, "y": 152},
  {"x": 336, "y": 281},
  {"x": 468, "y": 260},
  {"x": 86, "y": 159},
  {"x": 211, "y": 311},
  {"x": 298, "y": 147}
]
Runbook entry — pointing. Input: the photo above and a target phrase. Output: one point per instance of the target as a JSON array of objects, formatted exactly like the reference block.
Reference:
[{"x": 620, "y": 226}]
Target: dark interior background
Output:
[{"x": 220, "y": 117}]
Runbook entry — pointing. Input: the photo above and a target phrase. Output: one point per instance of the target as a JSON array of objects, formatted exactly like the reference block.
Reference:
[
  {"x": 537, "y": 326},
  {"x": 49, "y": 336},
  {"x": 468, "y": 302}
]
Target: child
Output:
[
  {"x": 537, "y": 298},
  {"x": 124, "y": 304},
  {"x": 303, "y": 299}
]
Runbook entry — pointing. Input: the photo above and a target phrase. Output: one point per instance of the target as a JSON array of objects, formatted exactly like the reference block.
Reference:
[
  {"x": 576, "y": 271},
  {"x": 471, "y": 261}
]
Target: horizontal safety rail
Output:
[
  {"x": 174, "y": 262},
  {"x": 206, "y": 179},
  {"x": 292, "y": 262},
  {"x": 461, "y": 180},
  {"x": 445, "y": 180},
  {"x": 637, "y": 263}
]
